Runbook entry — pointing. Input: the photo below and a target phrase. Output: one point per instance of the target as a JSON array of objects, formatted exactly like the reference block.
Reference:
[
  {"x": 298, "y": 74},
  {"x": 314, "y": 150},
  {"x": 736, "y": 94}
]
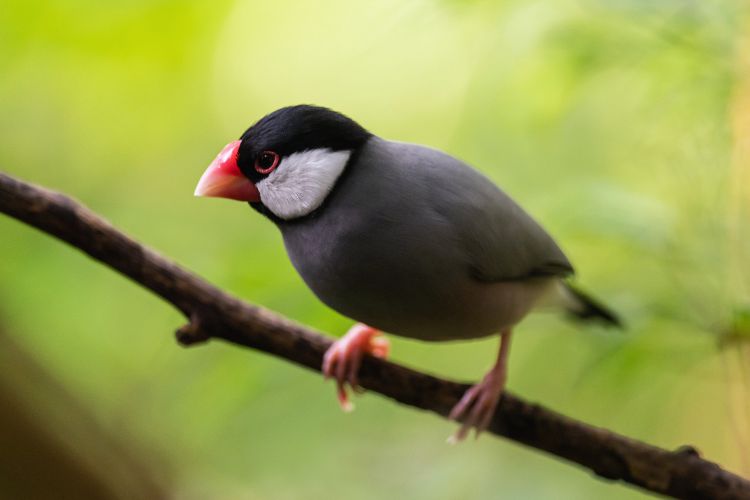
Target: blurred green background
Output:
[{"x": 621, "y": 125}]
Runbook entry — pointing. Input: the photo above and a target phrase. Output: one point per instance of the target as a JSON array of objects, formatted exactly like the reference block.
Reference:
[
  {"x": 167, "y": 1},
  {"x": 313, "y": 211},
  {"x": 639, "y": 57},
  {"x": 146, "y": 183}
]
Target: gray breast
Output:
[{"x": 383, "y": 252}]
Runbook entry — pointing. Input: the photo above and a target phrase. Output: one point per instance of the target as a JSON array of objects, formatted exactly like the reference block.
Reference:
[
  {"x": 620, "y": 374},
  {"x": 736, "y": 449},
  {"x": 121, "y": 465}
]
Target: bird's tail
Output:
[{"x": 583, "y": 307}]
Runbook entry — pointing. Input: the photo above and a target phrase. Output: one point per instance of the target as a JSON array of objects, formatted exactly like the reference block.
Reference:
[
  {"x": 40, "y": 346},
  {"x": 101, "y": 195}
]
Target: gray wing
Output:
[{"x": 500, "y": 240}]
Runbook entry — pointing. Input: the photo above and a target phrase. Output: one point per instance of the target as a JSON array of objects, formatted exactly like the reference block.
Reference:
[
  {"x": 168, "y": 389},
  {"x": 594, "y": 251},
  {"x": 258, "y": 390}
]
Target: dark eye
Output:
[{"x": 266, "y": 162}]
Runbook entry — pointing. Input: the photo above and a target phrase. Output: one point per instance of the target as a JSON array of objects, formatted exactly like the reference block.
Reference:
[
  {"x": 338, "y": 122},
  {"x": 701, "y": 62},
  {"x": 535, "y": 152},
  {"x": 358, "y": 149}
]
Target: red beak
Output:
[{"x": 223, "y": 179}]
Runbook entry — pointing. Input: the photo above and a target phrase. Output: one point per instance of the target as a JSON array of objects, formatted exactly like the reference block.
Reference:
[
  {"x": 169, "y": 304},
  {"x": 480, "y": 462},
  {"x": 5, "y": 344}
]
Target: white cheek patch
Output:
[{"x": 302, "y": 181}]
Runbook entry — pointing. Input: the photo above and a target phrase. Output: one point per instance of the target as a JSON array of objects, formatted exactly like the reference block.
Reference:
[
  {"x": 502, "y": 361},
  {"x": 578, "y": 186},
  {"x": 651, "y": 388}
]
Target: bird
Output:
[{"x": 401, "y": 238}]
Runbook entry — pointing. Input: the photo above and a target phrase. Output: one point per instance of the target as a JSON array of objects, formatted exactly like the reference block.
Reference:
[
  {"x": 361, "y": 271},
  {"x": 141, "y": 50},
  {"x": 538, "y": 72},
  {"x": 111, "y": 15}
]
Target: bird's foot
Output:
[
  {"x": 477, "y": 406},
  {"x": 344, "y": 357}
]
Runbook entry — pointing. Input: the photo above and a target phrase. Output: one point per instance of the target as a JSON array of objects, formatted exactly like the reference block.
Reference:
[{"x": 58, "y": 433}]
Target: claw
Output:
[
  {"x": 346, "y": 405},
  {"x": 477, "y": 406},
  {"x": 344, "y": 358}
]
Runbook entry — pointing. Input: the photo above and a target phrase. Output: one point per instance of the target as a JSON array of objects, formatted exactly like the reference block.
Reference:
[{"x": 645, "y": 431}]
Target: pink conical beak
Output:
[{"x": 223, "y": 179}]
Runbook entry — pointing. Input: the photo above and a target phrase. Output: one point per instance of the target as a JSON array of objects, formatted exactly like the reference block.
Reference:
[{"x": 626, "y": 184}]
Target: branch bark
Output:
[{"x": 213, "y": 313}]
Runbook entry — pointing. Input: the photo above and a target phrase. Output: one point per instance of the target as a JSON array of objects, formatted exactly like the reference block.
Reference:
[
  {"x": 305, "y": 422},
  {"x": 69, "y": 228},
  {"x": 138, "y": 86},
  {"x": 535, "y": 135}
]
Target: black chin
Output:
[
  {"x": 265, "y": 212},
  {"x": 259, "y": 207}
]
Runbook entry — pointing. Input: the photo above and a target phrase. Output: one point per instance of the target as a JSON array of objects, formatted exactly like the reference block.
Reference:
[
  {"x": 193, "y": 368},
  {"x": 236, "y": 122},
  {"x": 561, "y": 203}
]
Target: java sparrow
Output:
[{"x": 399, "y": 237}]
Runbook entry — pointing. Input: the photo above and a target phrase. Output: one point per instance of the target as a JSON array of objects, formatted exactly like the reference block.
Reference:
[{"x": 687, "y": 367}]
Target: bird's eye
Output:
[{"x": 266, "y": 162}]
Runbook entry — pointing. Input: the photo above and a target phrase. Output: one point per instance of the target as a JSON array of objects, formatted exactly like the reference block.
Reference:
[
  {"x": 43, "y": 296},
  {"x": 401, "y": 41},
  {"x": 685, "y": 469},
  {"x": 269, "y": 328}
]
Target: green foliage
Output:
[
  {"x": 739, "y": 327},
  {"x": 609, "y": 121}
]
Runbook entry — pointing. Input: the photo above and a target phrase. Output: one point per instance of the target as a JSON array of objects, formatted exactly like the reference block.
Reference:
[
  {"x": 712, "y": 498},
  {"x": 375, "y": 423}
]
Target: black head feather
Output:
[{"x": 298, "y": 128}]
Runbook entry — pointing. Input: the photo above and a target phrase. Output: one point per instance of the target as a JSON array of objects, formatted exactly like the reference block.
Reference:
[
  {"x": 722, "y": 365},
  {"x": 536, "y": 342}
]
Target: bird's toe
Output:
[{"x": 344, "y": 358}]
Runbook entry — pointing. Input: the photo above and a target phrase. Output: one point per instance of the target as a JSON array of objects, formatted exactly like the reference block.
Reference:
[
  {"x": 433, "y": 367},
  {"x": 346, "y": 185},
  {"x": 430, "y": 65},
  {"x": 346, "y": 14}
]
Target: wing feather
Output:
[{"x": 502, "y": 242}]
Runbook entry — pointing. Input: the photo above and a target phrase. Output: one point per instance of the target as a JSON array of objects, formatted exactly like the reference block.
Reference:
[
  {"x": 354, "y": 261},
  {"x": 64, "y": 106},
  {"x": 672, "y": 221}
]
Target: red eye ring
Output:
[{"x": 266, "y": 162}]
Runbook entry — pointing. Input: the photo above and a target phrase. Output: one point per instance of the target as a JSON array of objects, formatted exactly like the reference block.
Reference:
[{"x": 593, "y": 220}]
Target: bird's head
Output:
[{"x": 287, "y": 163}]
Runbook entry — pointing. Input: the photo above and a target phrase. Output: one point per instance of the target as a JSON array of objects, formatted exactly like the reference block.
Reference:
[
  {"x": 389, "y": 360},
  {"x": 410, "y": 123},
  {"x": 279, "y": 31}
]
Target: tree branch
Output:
[{"x": 213, "y": 313}]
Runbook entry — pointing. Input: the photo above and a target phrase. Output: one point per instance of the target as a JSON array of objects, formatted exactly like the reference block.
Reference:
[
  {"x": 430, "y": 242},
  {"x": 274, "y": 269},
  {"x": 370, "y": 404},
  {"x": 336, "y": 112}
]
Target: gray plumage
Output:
[
  {"x": 399, "y": 237},
  {"x": 417, "y": 243}
]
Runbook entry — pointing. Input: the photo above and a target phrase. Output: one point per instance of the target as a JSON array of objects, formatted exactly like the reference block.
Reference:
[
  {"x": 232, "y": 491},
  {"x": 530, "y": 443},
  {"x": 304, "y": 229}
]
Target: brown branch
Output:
[{"x": 216, "y": 314}]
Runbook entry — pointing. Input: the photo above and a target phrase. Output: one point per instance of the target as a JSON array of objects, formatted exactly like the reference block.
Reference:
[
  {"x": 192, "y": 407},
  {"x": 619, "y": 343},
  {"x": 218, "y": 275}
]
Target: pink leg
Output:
[
  {"x": 343, "y": 358},
  {"x": 478, "y": 405}
]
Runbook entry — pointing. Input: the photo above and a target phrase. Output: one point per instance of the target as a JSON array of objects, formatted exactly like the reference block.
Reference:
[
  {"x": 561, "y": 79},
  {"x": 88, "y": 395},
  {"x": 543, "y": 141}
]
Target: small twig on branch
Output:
[{"x": 216, "y": 314}]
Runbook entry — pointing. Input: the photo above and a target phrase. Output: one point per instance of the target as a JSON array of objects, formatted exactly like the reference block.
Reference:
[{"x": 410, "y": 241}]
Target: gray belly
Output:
[{"x": 394, "y": 276}]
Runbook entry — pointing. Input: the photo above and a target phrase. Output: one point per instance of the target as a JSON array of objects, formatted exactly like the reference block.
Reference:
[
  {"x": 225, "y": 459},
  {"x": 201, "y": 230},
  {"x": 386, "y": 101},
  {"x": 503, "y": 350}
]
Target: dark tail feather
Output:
[{"x": 586, "y": 308}]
